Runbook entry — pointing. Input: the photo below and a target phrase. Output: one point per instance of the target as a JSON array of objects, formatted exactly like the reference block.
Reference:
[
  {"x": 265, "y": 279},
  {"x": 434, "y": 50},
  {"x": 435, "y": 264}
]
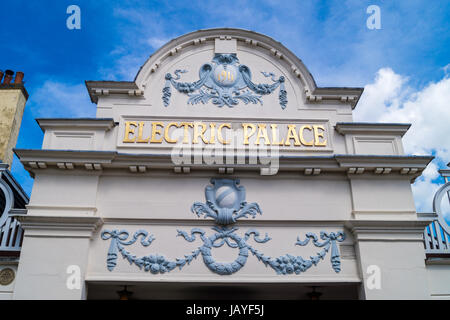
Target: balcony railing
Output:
[
  {"x": 12, "y": 201},
  {"x": 11, "y": 235},
  {"x": 436, "y": 235},
  {"x": 437, "y": 241}
]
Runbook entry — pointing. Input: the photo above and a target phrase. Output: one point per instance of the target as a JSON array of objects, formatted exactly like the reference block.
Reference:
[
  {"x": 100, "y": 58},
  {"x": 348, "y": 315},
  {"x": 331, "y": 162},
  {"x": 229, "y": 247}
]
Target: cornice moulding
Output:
[
  {"x": 388, "y": 230},
  {"x": 48, "y": 155},
  {"x": 59, "y": 226},
  {"x": 81, "y": 159},
  {"x": 121, "y": 278},
  {"x": 374, "y": 161},
  {"x": 104, "y": 88},
  {"x": 300, "y": 222},
  {"x": 51, "y": 210},
  {"x": 68, "y": 123},
  {"x": 372, "y": 128},
  {"x": 52, "y": 220}
]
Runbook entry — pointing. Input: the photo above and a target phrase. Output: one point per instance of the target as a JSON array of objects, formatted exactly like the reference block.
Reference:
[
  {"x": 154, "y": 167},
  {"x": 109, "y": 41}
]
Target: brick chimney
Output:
[{"x": 13, "y": 97}]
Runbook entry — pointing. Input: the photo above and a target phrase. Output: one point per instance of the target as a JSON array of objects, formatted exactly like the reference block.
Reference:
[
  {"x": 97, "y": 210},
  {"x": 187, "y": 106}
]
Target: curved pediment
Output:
[
  {"x": 241, "y": 43},
  {"x": 209, "y": 72},
  {"x": 225, "y": 68}
]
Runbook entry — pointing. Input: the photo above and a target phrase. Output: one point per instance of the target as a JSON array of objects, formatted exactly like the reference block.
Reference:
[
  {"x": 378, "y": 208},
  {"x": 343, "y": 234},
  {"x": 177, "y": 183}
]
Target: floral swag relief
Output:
[
  {"x": 224, "y": 82},
  {"x": 225, "y": 203}
]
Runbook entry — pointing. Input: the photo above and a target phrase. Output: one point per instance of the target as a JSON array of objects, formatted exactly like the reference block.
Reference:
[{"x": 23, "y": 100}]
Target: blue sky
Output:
[{"x": 411, "y": 53}]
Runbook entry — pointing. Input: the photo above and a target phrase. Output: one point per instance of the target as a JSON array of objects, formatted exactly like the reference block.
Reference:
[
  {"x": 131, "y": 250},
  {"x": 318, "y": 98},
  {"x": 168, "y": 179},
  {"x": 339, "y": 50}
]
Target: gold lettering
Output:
[
  {"x": 140, "y": 133},
  {"x": 198, "y": 134},
  {"x": 160, "y": 132},
  {"x": 156, "y": 131},
  {"x": 275, "y": 136},
  {"x": 222, "y": 76},
  {"x": 166, "y": 132},
  {"x": 219, "y": 133},
  {"x": 212, "y": 138},
  {"x": 186, "y": 126},
  {"x": 302, "y": 139},
  {"x": 128, "y": 130},
  {"x": 318, "y": 135},
  {"x": 292, "y": 134},
  {"x": 246, "y": 135},
  {"x": 262, "y": 129}
]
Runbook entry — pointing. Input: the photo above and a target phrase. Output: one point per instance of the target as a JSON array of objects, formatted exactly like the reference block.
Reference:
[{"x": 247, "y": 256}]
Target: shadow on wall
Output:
[{"x": 219, "y": 291}]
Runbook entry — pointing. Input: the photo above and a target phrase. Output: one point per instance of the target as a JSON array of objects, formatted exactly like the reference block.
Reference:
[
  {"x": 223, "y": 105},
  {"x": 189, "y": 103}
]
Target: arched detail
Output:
[
  {"x": 437, "y": 200},
  {"x": 9, "y": 200},
  {"x": 196, "y": 38}
]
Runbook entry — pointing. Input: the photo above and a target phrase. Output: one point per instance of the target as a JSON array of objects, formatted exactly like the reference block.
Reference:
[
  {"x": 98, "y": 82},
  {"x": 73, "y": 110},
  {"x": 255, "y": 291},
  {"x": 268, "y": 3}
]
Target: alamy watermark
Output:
[
  {"x": 373, "y": 281},
  {"x": 73, "y": 21},
  {"x": 373, "y": 22},
  {"x": 73, "y": 281},
  {"x": 232, "y": 147}
]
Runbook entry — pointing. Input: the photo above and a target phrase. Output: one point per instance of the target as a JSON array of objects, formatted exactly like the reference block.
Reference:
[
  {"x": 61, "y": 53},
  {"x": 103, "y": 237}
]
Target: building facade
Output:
[
  {"x": 223, "y": 171},
  {"x": 13, "y": 198}
]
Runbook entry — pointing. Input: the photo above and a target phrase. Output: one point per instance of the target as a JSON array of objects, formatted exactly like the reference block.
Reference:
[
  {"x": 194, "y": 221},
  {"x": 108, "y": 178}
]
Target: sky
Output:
[{"x": 404, "y": 66}]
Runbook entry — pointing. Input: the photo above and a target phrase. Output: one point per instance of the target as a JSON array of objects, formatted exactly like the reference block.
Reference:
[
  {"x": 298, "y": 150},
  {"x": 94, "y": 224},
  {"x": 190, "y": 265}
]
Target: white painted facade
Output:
[{"x": 87, "y": 180}]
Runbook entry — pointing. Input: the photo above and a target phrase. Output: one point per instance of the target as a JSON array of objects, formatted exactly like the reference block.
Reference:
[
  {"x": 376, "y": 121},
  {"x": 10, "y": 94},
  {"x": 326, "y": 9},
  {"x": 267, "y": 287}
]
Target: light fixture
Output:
[
  {"x": 313, "y": 295},
  {"x": 124, "y": 294}
]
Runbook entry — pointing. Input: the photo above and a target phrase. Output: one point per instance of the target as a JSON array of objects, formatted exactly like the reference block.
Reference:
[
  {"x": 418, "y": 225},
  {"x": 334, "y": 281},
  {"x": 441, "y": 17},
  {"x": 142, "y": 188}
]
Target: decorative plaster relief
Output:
[
  {"x": 224, "y": 82},
  {"x": 284, "y": 264},
  {"x": 7, "y": 276},
  {"x": 225, "y": 203}
]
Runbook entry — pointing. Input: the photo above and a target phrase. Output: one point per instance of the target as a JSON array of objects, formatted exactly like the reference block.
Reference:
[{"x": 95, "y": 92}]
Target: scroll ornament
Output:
[
  {"x": 224, "y": 82},
  {"x": 225, "y": 204}
]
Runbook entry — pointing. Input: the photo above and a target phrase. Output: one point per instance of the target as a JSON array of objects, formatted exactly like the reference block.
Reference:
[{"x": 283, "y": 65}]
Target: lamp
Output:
[
  {"x": 313, "y": 295},
  {"x": 124, "y": 294}
]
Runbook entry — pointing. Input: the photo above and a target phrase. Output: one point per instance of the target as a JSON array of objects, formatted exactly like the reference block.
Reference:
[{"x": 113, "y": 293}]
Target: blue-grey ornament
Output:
[
  {"x": 225, "y": 202},
  {"x": 283, "y": 265},
  {"x": 225, "y": 82}
]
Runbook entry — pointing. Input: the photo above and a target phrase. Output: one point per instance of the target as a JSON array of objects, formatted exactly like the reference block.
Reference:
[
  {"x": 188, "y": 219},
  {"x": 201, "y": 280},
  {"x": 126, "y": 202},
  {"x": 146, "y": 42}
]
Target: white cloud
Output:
[
  {"x": 390, "y": 99},
  {"x": 58, "y": 99},
  {"x": 156, "y": 43},
  {"x": 138, "y": 42},
  {"x": 124, "y": 68},
  {"x": 424, "y": 189},
  {"x": 128, "y": 61},
  {"x": 446, "y": 68}
]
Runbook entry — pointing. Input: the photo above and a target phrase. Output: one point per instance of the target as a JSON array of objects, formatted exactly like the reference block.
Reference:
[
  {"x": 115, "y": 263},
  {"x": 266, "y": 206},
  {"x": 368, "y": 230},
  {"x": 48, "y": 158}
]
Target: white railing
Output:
[
  {"x": 436, "y": 235},
  {"x": 10, "y": 231},
  {"x": 437, "y": 241},
  {"x": 11, "y": 235}
]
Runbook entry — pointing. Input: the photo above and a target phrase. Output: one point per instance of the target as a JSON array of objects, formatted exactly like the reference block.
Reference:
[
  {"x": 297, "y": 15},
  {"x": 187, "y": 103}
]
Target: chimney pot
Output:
[
  {"x": 8, "y": 76},
  {"x": 19, "y": 77}
]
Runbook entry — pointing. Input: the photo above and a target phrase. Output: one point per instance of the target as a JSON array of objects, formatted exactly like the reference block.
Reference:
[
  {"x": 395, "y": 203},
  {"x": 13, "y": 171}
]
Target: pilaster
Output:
[
  {"x": 391, "y": 258},
  {"x": 54, "y": 256}
]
